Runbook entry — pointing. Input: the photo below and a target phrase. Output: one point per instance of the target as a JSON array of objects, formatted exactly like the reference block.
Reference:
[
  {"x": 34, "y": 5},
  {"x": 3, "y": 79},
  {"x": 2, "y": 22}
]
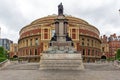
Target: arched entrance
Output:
[
  {"x": 15, "y": 56},
  {"x": 103, "y": 57}
]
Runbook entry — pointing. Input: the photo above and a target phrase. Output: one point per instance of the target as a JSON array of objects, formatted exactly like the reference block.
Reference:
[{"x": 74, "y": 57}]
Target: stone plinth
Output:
[
  {"x": 65, "y": 61},
  {"x": 60, "y": 43},
  {"x": 61, "y": 53}
]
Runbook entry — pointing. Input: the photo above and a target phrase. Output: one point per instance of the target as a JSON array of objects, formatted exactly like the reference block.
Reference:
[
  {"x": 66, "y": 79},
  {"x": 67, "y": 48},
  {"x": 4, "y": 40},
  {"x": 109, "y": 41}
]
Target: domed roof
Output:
[
  {"x": 54, "y": 16},
  {"x": 50, "y": 19}
]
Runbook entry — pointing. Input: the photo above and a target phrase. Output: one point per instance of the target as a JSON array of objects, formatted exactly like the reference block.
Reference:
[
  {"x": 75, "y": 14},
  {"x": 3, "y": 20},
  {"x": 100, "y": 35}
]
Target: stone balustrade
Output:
[{"x": 4, "y": 63}]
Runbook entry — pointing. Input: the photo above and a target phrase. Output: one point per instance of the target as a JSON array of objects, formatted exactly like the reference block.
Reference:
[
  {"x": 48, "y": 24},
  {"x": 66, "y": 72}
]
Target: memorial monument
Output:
[{"x": 61, "y": 53}]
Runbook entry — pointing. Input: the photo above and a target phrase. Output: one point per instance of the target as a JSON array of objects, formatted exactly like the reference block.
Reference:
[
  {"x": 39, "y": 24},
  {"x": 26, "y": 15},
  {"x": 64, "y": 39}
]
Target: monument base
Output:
[{"x": 65, "y": 61}]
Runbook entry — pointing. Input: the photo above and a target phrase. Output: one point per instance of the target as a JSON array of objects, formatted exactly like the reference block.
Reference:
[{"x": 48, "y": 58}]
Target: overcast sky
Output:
[{"x": 15, "y": 14}]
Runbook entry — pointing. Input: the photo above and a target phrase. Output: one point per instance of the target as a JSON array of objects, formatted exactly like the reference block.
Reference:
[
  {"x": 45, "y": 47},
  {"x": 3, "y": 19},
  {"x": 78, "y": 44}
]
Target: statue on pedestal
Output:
[
  {"x": 60, "y": 9},
  {"x": 61, "y": 53}
]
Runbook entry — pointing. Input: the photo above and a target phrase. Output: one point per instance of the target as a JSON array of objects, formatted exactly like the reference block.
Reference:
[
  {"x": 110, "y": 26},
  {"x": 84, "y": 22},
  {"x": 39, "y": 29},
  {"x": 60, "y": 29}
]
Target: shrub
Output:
[
  {"x": 2, "y": 59},
  {"x": 3, "y": 55},
  {"x": 118, "y": 54},
  {"x": 118, "y": 59}
]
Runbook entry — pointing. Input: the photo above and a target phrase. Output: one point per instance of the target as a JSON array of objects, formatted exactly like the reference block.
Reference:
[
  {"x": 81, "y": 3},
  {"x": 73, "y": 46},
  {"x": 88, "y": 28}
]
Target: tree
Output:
[
  {"x": 3, "y": 55},
  {"x": 118, "y": 54}
]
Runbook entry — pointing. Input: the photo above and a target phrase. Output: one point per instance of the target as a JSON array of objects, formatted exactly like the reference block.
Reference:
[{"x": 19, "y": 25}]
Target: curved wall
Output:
[{"x": 35, "y": 37}]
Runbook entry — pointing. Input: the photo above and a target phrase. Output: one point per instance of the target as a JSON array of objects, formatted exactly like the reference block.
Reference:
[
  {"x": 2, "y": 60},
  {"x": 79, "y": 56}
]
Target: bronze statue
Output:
[{"x": 60, "y": 9}]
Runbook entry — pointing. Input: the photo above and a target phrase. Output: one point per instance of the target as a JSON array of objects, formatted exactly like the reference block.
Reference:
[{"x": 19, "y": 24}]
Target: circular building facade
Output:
[{"x": 35, "y": 38}]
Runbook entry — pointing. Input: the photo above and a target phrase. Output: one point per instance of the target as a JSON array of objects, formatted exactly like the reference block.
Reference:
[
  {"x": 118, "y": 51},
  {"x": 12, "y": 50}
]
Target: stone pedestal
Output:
[
  {"x": 64, "y": 61},
  {"x": 61, "y": 53}
]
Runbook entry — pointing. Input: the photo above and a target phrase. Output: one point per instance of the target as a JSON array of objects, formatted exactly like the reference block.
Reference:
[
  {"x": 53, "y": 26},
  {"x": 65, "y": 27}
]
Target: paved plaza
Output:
[{"x": 30, "y": 71}]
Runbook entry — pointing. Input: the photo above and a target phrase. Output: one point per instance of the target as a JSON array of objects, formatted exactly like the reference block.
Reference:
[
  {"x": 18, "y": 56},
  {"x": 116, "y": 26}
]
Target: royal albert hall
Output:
[{"x": 35, "y": 38}]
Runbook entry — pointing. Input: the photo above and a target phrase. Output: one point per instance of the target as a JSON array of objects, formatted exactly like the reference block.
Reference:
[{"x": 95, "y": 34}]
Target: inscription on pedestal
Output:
[
  {"x": 61, "y": 44},
  {"x": 61, "y": 61}
]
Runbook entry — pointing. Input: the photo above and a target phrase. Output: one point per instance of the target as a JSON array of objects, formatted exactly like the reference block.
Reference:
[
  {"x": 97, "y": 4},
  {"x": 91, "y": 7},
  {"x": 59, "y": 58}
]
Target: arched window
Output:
[
  {"x": 36, "y": 52},
  {"x": 73, "y": 33},
  {"x": 45, "y": 33},
  {"x": 30, "y": 52},
  {"x": 92, "y": 52},
  {"x": 83, "y": 52},
  {"x": 36, "y": 41},
  {"x": 26, "y": 52},
  {"x": 30, "y": 42},
  {"x": 88, "y": 51},
  {"x": 82, "y": 43},
  {"x": 26, "y": 43}
]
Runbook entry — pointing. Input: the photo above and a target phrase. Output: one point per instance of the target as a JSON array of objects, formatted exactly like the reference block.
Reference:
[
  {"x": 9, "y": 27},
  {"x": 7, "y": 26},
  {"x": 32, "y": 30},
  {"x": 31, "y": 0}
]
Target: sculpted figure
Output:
[{"x": 60, "y": 9}]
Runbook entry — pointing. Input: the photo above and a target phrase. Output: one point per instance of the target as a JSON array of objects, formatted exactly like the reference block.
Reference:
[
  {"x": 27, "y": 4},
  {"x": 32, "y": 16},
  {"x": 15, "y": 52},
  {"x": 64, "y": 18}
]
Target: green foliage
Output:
[
  {"x": 14, "y": 59},
  {"x": 3, "y": 54},
  {"x": 110, "y": 59},
  {"x": 118, "y": 59},
  {"x": 118, "y": 54},
  {"x": 2, "y": 59}
]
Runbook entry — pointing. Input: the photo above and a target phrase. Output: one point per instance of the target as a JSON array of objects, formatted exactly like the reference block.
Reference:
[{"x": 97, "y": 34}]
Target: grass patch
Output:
[{"x": 2, "y": 59}]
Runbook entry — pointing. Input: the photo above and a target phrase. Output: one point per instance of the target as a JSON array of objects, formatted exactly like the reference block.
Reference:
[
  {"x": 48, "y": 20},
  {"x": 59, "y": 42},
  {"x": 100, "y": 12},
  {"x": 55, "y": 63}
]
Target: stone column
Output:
[
  {"x": 65, "y": 28},
  {"x": 57, "y": 28},
  {"x": 62, "y": 35}
]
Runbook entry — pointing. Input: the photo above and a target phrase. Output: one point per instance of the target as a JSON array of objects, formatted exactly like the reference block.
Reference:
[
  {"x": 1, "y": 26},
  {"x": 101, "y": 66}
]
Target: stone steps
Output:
[{"x": 61, "y": 61}]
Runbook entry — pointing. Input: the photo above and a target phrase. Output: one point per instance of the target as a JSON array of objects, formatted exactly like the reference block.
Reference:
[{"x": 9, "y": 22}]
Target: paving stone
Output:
[{"x": 30, "y": 71}]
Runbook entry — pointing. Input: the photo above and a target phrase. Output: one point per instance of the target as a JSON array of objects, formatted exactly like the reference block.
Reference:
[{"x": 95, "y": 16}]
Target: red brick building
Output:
[
  {"x": 104, "y": 46},
  {"x": 110, "y": 45},
  {"x": 114, "y": 44},
  {"x": 35, "y": 38},
  {"x": 13, "y": 53}
]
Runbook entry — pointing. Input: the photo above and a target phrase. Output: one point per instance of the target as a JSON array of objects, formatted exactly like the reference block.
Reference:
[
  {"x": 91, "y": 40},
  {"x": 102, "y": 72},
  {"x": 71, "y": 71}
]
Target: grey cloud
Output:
[
  {"x": 11, "y": 16},
  {"x": 106, "y": 14},
  {"x": 100, "y": 16}
]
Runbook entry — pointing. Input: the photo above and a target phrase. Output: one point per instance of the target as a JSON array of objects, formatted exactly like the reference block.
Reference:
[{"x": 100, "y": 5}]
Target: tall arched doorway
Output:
[
  {"x": 103, "y": 57},
  {"x": 15, "y": 56}
]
